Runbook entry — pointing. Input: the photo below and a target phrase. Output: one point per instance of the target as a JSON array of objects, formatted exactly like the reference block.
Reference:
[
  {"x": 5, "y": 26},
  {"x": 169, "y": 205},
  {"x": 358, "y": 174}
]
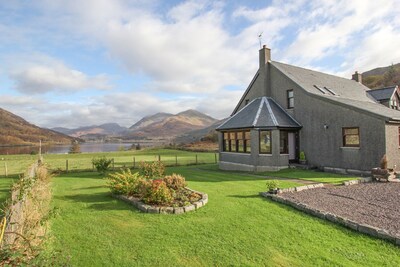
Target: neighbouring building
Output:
[
  {"x": 388, "y": 96},
  {"x": 287, "y": 110}
]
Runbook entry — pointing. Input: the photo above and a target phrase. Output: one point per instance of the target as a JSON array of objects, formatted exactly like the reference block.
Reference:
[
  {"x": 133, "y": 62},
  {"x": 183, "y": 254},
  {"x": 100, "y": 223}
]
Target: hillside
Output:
[
  {"x": 94, "y": 131},
  {"x": 14, "y": 130},
  {"x": 382, "y": 77},
  {"x": 168, "y": 126},
  {"x": 200, "y": 134}
]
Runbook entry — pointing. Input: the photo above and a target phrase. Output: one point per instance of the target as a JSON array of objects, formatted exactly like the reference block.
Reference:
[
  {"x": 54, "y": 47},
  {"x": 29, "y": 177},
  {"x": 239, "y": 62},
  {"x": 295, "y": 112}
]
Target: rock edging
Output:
[
  {"x": 362, "y": 228},
  {"x": 136, "y": 202}
]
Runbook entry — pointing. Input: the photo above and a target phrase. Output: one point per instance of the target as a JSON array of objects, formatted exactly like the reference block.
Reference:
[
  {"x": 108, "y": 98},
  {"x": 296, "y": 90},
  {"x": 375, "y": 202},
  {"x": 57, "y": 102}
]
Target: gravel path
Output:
[{"x": 376, "y": 204}]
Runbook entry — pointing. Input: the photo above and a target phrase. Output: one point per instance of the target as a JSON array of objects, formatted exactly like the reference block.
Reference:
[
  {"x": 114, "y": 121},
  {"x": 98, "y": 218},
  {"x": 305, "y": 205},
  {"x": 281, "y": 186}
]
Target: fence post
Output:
[
  {"x": 92, "y": 166},
  {"x": 6, "y": 169},
  {"x": 113, "y": 165},
  {"x": 159, "y": 157},
  {"x": 176, "y": 160},
  {"x": 196, "y": 159},
  {"x": 215, "y": 156},
  {"x": 134, "y": 162},
  {"x": 66, "y": 165}
]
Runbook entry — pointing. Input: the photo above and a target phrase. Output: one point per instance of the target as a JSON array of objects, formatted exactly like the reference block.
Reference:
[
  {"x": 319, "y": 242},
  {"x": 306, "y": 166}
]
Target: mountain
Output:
[
  {"x": 149, "y": 120},
  {"x": 200, "y": 134},
  {"x": 168, "y": 126},
  {"x": 94, "y": 131},
  {"x": 14, "y": 130},
  {"x": 382, "y": 77}
]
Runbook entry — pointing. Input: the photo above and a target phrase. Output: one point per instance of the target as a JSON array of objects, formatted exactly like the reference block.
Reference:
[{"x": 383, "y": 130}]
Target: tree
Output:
[
  {"x": 75, "y": 147},
  {"x": 389, "y": 76}
]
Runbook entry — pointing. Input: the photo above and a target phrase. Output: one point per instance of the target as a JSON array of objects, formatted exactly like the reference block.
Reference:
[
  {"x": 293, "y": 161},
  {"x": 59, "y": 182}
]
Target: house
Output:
[
  {"x": 388, "y": 96},
  {"x": 287, "y": 110}
]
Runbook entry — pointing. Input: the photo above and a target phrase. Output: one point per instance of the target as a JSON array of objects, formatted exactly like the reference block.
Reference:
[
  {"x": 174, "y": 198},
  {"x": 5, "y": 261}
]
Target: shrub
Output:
[
  {"x": 158, "y": 193},
  {"x": 175, "y": 181},
  {"x": 302, "y": 156},
  {"x": 272, "y": 184},
  {"x": 124, "y": 182},
  {"x": 102, "y": 164},
  {"x": 152, "y": 170}
]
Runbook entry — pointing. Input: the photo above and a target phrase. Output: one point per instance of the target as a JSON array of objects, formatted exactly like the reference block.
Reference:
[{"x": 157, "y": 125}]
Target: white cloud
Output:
[{"x": 43, "y": 74}]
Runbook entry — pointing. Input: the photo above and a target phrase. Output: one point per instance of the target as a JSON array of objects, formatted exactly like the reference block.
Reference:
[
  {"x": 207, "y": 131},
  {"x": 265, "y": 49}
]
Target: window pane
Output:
[
  {"x": 290, "y": 93},
  {"x": 240, "y": 146},
  {"x": 226, "y": 136},
  {"x": 232, "y": 135},
  {"x": 233, "y": 145},
  {"x": 239, "y": 135},
  {"x": 352, "y": 140},
  {"x": 291, "y": 102},
  {"x": 284, "y": 142},
  {"x": 247, "y": 146},
  {"x": 351, "y": 131},
  {"x": 226, "y": 145},
  {"x": 265, "y": 142},
  {"x": 247, "y": 135}
]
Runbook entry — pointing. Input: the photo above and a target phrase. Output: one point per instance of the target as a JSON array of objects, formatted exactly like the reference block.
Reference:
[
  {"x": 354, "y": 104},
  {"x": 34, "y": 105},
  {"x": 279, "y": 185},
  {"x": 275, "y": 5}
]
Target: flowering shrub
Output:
[
  {"x": 167, "y": 190},
  {"x": 124, "y": 182},
  {"x": 153, "y": 170},
  {"x": 158, "y": 193},
  {"x": 175, "y": 181}
]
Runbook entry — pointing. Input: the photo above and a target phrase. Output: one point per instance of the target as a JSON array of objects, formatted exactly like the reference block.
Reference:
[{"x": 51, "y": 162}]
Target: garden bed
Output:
[
  {"x": 371, "y": 208},
  {"x": 165, "y": 209}
]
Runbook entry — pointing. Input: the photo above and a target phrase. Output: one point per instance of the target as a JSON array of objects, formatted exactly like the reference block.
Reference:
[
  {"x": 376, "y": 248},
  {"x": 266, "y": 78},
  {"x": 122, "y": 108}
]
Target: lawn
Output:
[
  {"x": 236, "y": 228},
  {"x": 311, "y": 175},
  {"x": 17, "y": 164}
]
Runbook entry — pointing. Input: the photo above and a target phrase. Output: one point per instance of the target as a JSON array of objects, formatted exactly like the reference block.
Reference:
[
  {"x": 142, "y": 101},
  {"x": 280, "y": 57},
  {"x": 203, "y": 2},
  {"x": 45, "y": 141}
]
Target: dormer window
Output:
[{"x": 290, "y": 99}]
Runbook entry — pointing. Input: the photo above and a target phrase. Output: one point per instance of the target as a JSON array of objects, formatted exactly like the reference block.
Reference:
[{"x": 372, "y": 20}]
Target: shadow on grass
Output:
[
  {"x": 97, "y": 201},
  {"x": 243, "y": 196}
]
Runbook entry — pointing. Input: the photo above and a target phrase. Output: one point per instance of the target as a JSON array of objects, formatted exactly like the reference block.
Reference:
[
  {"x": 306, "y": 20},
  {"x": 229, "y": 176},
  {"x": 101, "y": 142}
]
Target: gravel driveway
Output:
[{"x": 376, "y": 204}]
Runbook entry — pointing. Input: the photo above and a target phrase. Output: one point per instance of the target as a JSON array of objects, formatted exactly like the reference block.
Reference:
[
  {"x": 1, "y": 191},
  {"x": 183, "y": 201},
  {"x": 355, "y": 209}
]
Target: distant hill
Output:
[
  {"x": 168, "y": 126},
  {"x": 14, "y": 130},
  {"x": 94, "y": 131},
  {"x": 200, "y": 134},
  {"x": 382, "y": 77}
]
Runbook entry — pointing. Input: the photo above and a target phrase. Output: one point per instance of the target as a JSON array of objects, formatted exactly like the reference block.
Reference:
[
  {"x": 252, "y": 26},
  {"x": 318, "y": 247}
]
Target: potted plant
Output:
[
  {"x": 302, "y": 158},
  {"x": 272, "y": 186}
]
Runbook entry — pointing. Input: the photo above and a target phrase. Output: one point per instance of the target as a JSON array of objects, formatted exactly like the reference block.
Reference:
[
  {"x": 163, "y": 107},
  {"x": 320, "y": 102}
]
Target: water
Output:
[{"x": 63, "y": 149}]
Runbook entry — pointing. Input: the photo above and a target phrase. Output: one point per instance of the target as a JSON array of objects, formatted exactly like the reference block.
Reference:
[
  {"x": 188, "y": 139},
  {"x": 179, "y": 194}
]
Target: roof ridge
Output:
[
  {"x": 270, "y": 112},
  {"x": 258, "y": 111}
]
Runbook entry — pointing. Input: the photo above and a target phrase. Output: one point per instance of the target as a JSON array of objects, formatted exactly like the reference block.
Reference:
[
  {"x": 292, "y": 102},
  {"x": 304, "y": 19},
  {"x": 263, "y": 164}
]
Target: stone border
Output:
[
  {"x": 136, "y": 202},
  {"x": 362, "y": 228}
]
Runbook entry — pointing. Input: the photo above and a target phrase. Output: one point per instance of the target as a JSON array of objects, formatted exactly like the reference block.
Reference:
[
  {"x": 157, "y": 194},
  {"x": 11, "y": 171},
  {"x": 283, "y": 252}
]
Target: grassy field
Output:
[
  {"x": 315, "y": 176},
  {"x": 18, "y": 163},
  {"x": 236, "y": 228},
  {"x": 5, "y": 186}
]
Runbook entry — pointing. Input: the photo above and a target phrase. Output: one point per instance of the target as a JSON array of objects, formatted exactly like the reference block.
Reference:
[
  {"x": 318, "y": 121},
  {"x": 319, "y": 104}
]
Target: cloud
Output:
[{"x": 43, "y": 75}]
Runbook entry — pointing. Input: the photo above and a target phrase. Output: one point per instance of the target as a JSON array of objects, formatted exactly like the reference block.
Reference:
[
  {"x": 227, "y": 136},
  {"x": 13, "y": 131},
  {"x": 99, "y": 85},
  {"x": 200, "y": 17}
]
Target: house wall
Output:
[
  {"x": 256, "y": 89},
  {"x": 392, "y": 145},
  {"x": 324, "y": 147}
]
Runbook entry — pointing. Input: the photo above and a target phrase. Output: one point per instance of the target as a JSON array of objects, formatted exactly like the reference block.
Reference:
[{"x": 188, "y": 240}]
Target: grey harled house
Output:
[{"x": 288, "y": 109}]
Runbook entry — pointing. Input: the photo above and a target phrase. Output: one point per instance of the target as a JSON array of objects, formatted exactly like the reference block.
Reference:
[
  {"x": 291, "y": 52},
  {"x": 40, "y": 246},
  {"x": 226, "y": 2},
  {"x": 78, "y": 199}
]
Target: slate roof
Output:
[
  {"x": 263, "y": 113},
  {"x": 345, "y": 92},
  {"x": 382, "y": 93}
]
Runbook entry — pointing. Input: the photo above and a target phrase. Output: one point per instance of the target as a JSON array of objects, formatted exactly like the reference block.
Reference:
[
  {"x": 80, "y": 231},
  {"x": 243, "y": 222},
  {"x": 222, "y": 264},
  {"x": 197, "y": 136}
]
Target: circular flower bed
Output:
[{"x": 168, "y": 194}]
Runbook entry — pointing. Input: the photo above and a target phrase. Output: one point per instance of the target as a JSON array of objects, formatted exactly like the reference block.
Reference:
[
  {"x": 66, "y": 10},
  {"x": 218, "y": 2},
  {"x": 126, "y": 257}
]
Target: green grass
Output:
[
  {"x": 310, "y": 175},
  {"x": 5, "y": 187},
  {"x": 83, "y": 161},
  {"x": 236, "y": 228}
]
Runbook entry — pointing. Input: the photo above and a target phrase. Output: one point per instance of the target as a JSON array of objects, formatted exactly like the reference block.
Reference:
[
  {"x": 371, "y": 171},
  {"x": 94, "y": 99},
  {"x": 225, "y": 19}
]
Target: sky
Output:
[{"x": 78, "y": 63}]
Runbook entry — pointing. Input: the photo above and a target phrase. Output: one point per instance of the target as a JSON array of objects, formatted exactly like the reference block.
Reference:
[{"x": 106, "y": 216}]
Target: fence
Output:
[
  {"x": 14, "y": 215},
  {"x": 134, "y": 162}
]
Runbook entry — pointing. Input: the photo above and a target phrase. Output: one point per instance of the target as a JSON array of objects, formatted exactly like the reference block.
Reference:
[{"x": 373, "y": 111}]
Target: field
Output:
[
  {"x": 17, "y": 164},
  {"x": 237, "y": 227}
]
